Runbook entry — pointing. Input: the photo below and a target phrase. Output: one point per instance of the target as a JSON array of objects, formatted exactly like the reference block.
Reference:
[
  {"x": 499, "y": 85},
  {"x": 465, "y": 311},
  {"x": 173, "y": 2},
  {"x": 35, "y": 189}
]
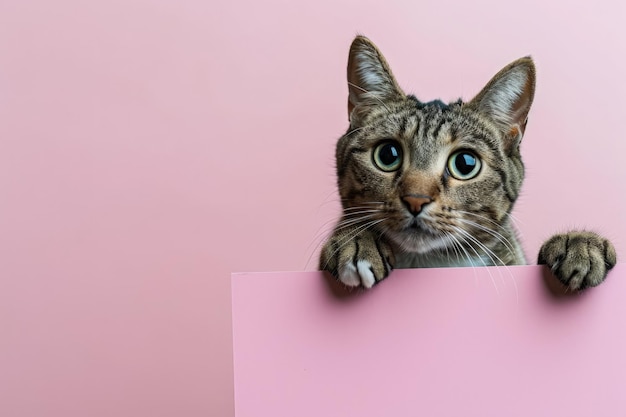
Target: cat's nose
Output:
[{"x": 415, "y": 203}]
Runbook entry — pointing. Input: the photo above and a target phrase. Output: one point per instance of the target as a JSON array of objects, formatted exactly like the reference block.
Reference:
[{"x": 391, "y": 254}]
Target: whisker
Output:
[
  {"x": 517, "y": 223},
  {"x": 354, "y": 131},
  {"x": 467, "y": 255},
  {"x": 320, "y": 236},
  {"x": 366, "y": 211},
  {"x": 350, "y": 222},
  {"x": 345, "y": 200},
  {"x": 498, "y": 225},
  {"x": 350, "y": 236},
  {"x": 352, "y": 214},
  {"x": 491, "y": 256},
  {"x": 515, "y": 219},
  {"x": 469, "y": 243},
  {"x": 493, "y": 233},
  {"x": 454, "y": 246},
  {"x": 351, "y": 210}
]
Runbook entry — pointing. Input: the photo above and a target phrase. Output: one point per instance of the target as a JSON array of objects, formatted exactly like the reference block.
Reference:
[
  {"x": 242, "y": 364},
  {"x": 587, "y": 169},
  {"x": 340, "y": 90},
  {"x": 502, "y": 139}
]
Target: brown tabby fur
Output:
[{"x": 419, "y": 214}]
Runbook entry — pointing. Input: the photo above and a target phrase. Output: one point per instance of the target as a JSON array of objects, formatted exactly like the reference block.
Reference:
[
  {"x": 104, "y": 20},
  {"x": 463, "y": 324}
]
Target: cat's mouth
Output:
[
  {"x": 415, "y": 225},
  {"x": 419, "y": 225},
  {"x": 417, "y": 236}
]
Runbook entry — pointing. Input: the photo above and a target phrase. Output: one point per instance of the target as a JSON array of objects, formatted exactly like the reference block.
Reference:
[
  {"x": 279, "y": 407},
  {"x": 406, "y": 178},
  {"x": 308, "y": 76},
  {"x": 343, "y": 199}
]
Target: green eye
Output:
[
  {"x": 463, "y": 165},
  {"x": 388, "y": 156}
]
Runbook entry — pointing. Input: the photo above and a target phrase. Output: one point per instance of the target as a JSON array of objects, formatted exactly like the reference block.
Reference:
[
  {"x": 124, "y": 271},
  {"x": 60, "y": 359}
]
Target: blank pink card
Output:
[{"x": 430, "y": 342}]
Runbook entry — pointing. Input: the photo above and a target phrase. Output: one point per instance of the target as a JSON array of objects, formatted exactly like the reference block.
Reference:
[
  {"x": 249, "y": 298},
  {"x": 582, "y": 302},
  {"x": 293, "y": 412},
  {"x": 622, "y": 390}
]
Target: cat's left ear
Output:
[
  {"x": 507, "y": 98},
  {"x": 370, "y": 81}
]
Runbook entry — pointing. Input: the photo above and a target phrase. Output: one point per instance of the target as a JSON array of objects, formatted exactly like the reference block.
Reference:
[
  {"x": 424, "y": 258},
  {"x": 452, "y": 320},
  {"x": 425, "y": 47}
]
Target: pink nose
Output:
[{"x": 415, "y": 203}]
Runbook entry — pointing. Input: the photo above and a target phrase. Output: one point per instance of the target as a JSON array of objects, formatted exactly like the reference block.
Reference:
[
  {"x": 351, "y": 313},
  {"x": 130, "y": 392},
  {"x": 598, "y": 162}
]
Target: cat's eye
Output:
[
  {"x": 464, "y": 165},
  {"x": 388, "y": 156}
]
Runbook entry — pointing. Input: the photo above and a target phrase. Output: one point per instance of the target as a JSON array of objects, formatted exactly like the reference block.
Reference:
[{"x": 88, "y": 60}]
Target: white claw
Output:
[
  {"x": 367, "y": 276},
  {"x": 353, "y": 276},
  {"x": 349, "y": 275}
]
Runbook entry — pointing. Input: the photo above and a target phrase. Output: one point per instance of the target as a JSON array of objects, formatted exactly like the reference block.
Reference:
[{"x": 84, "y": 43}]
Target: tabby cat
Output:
[{"x": 433, "y": 184}]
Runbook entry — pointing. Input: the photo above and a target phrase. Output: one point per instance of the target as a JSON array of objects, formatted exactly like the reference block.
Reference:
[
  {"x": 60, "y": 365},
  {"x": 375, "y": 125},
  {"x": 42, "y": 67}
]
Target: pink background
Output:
[
  {"x": 438, "y": 342},
  {"x": 150, "y": 148}
]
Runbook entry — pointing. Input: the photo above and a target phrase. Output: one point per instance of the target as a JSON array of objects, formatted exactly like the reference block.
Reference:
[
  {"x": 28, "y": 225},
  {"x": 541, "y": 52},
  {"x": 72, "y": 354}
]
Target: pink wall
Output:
[{"x": 149, "y": 148}]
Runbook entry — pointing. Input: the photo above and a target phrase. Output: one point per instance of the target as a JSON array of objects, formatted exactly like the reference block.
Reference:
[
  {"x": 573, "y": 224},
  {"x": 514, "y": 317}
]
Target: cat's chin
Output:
[{"x": 418, "y": 241}]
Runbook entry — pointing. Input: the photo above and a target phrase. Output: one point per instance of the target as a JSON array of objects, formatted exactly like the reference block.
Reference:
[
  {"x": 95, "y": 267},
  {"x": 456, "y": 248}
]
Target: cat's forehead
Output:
[
  {"x": 433, "y": 105},
  {"x": 433, "y": 122}
]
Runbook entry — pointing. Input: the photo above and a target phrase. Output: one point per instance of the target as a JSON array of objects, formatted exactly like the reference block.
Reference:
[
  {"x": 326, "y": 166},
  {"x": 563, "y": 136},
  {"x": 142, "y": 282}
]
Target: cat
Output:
[{"x": 429, "y": 184}]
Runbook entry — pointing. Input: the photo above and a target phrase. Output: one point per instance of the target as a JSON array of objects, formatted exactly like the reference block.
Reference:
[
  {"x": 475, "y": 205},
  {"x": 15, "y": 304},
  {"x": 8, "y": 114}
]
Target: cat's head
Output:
[{"x": 429, "y": 175}]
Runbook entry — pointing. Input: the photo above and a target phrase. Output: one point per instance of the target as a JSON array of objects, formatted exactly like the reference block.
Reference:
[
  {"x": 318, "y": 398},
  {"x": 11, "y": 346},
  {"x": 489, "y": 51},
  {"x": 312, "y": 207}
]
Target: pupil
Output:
[
  {"x": 388, "y": 154},
  {"x": 465, "y": 163}
]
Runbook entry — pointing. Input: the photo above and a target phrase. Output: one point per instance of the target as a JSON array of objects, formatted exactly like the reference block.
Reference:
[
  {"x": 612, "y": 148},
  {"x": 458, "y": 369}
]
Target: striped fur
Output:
[{"x": 420, "y": 213}]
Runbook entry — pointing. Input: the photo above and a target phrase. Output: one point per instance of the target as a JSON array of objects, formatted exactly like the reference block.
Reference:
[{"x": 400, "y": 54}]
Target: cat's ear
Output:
[
  {"x": 507, "y": 98},
  {"x": 370, "y": 81}
]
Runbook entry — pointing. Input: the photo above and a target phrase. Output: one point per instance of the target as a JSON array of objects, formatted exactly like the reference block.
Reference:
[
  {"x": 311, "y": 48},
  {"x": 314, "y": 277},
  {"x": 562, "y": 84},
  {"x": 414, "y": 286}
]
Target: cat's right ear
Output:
[
  {"x": 507, "y": 98},
  {"x": 370, "y": 81}
]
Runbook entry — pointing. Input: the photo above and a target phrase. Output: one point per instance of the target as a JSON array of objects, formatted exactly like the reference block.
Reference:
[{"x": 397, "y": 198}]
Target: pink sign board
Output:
[{"x": 432, "y": 342}]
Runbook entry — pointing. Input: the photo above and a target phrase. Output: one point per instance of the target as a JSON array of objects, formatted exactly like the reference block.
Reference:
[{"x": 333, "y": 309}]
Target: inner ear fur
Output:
[
  {"x": 507, "y": 98},
  {"x": 370, "y": 80}
]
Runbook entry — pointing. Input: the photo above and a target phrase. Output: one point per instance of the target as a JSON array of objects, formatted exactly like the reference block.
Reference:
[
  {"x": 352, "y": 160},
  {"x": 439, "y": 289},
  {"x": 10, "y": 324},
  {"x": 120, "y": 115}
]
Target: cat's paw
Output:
[
  {"x": 357, "y": 261},
  {"x": 578, "y": 259}
]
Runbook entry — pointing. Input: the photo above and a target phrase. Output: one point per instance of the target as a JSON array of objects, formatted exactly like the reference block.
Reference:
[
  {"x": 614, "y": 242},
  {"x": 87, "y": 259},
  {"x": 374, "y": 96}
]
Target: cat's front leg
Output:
[
  {"x": 579, "y": 259},
  {"x": 357, "y": 256}
]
